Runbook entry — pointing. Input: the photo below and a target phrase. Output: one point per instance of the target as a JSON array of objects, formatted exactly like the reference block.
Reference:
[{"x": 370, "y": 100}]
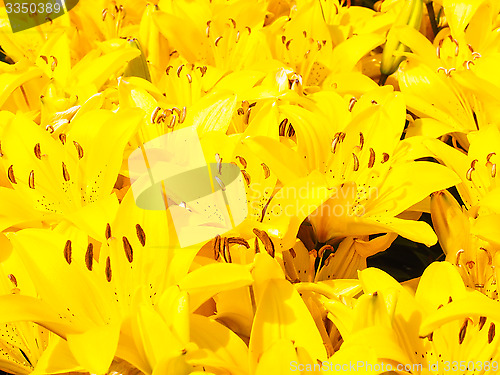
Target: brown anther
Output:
[
  {"x": 53, "y": 66},
  {"x": 176, "y": 110},
  {"x": 351, "y": 103},
  {"x": 361, "y": 141},
  {"x": 44, "y": 58},
  {"x": 304, "y": 33},
  {"x": 371, "y": 161},
  {"x": 31, "y": 180},
  {"x": 182, "y": 116},
  {"x": 12, "y": 279},
  {"x": 471, "y": 49},
  {"x": 467, "y": 64},
  {"x": 107, "y": 270},
  {"x": 482, "y": 322},
  {"x": 203, "y": 70},
  {"x": 473, "y": 163},
  {"x": 233, "y": 22},
  {"x": 217, "y": 40},
  {"x": 490, "y": 259},
  {"x": 468, "y": 175},
  {"x": 457, "y": 261},
  {"x": 207, "y": 30},
  {"x": 242, "y": 161},
  {"x": 65, "y": 172},
  {"x": 306, "y": 55},
  {"x": 490, "y": 155},
  {"x": 217, "y": 247},
  {"x": 89, "y": 256},
  {"x": 385, "y": 157},
  {"x": 168, "y": 69},
  {"x": 50, "y": 129},
  {"x": 38, "y": 153},
  {"x": 239, "y": 241},
  {"x": 282, "y": 127},
  {"x": 491, "y": 333},
  {"x": 318, "y": 44},
  {"x": 79, "y": 149},
  {"x": 475, "y": 55},
  {"x": 62, "y": 138},
  {"x": 141, "y": 235},
  {"x": 257, "y": 250},
  {"x": 374, "y": 102},
  {"x": 179, "y": 69},
  {"x": 221, "y": 184},
  {"x": 291, "y": 131},
  {"x": 129, "y": 253},
  {"x": 107, "y": 232},
  {"x": 189, "y": 78},
  {"x": 248, "y": 29},
  {"x": 266, "y": 240},
  {"x": 67, "y": 251},
  {"x": 450, "y": 300},
  {"x": 470, "y": 264},
  {"x": 283, "y": 39},
  {"x": 287, "y": 45},
  {"x": 356, "y": 162},
  {"x": 493, "y": 170},
  {"x": 154, "y": 114},
  {"x": 293, "y": 253},
  {"x": 246, "y": 176},
  {"x": 225, "y": 251},
  {"x": 267, "y": 172},
  {"x": 172, "y": 122},
  {"x": 241, "y": 111},
  {"x": 237, "y": 37},
  {"x": 104, "y": 13}
]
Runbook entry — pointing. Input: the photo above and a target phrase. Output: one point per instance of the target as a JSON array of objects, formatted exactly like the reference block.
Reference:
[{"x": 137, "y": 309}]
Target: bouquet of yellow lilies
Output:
[{"x": 200, "y": 186}]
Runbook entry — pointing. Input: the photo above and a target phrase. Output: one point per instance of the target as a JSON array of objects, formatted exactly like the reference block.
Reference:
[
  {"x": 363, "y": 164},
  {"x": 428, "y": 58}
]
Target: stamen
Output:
[
  {"x": 356, "y": 161},
  {"x": 283, "y": 39},
  {"x": 371, "y": 161},
  {"x": 103, "y": 14},
  {"x": 467, "y": 64},
  {"x": 12, "y": 279},
  {"x": 10, "y": 175},
  {"x": 89, "y": 256},
  {"x": 246, "y": 176},
  {"x": 154, "y": 114},
  {"x": 67, "y": 251},
  {"x": 168, "y": 69},
  {"x": 44, "y": 58},
  {"x": 62, "y": 138},
  {"x": 38, "y": 153},
  {"x": 140, "y": 234},
  {"x": 242, "y": 161},
  {"x": 107, "y": 233},
  {"x": 490, "y": 259},
  {"x": 217, "y": 247},
  {"x": 233, "y": 22},
  {"x": 217, "y": 40},
  {"x": 267, "y": 172},
  {"x": 79, "y": 149},
  {"x": 221, "y": 184},
  {"x": 257, "y": 250},
  {"x": 282, "y": 127},
  {"x": 361, "y": 141},
  {"x": 218, "y": 159},
  {"x": 50, "y": 129},
  {"x": 468, "y": 175},
  {"x": 107, "y": 270},
  {"x": 351, "y": 103},
  {"x": 207, "y": 30},
  {"x": 287, "y": 45},
  {"x": 65, "y": 172},
  {"x": 491, "y": 333},
  {"x": 172, "y": 122},
  {"x": 493, "y": 170},
  {"x": 248, "y": 29},
  {"x": 225, "y": 251},
  {"x": 490, "y": 155},
  {"x": 482, "y": 321},
  {"x": 179, "y": 69},
  {"x": 459, "y": 252},
  {"x": 237, "y": 37},
  {"x": 128, "y": 249},
  {"x": 53, "y": 66},
  {"x": 475, "y": 55},
  {"x": 239, "y": 241},
  {"x": 463, "y": 330},
  {"x": 291, "y": 131},
  {"x": 266, "y": 240},
  {"x": 189, "y": 78},
  {"x": 385, "y": 157},
  {"x": 31, "y": 180}
]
